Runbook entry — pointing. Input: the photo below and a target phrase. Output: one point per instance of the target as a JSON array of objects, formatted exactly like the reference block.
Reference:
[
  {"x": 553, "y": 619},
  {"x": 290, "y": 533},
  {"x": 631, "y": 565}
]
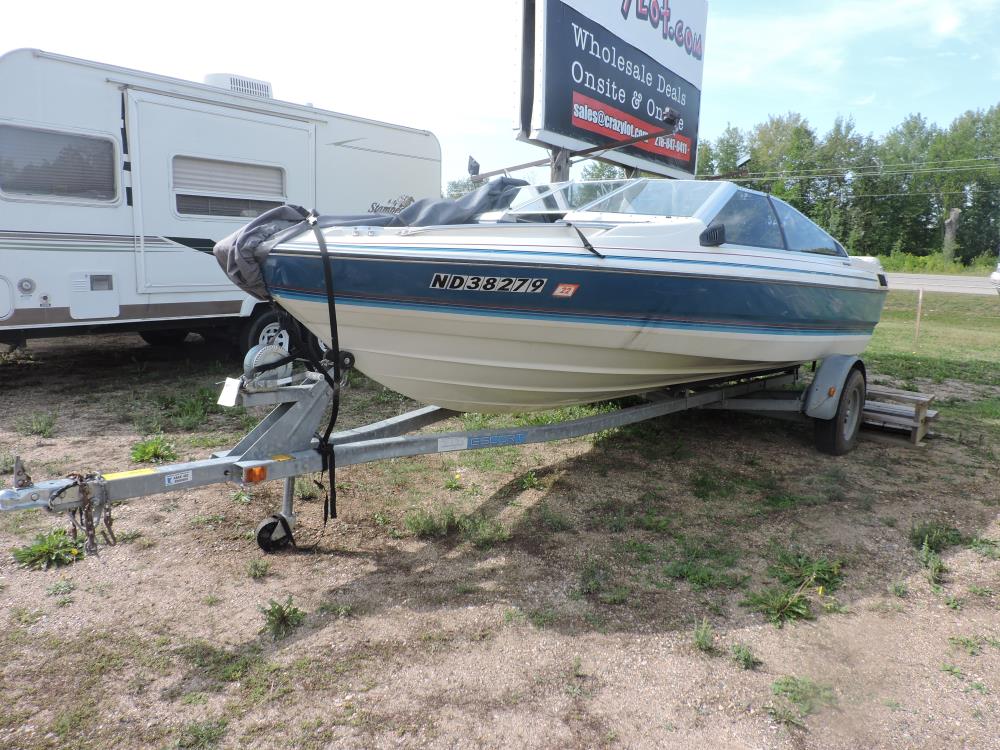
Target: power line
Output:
[{"x": 882, "y": 167}]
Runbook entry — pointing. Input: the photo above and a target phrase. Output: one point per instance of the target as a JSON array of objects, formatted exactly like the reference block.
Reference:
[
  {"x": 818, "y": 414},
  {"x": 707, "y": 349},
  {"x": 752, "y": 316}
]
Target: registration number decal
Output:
[{"x": 455, "y": 282}]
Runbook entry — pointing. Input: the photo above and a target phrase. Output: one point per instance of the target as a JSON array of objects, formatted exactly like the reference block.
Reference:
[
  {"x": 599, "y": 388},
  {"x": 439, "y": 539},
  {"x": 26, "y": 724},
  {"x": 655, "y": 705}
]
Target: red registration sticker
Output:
[{"x": 565, "y": 290}]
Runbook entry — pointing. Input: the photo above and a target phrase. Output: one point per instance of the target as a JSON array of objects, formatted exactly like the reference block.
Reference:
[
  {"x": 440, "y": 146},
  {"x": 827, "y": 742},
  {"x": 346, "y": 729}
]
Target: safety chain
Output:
[{"x": 84, "y": 514}]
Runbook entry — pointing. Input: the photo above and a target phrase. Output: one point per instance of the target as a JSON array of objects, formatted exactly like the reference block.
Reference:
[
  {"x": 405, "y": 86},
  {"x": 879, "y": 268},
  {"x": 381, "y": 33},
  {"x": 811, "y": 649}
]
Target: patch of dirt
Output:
[{"x": 576, "y": 632}]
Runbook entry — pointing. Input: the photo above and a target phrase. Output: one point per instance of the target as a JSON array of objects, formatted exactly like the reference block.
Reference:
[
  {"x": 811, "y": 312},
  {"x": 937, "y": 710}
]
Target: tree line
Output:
[{"x": 920, "y": 189}]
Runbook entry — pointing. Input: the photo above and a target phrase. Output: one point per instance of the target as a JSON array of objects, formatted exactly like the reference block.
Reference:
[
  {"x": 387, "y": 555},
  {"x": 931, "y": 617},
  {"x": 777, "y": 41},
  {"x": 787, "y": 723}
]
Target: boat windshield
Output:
[
  {"x": 560, "y": 197},
  {"x": 656, "y": 198}
]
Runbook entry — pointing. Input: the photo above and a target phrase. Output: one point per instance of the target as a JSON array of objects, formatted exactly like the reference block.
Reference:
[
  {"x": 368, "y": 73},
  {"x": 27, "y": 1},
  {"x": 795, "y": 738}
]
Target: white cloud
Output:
[{"x": 864, "y": 101}]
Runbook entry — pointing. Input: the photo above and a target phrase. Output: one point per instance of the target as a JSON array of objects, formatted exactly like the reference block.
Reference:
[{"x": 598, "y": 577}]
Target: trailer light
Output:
[
  {"x": 254, "y": 474},
  {"x": 831, "y": 392}
]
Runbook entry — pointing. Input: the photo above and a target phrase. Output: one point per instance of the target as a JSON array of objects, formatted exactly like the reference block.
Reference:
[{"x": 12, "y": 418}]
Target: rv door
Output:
[{"x": 199, "y": 172}]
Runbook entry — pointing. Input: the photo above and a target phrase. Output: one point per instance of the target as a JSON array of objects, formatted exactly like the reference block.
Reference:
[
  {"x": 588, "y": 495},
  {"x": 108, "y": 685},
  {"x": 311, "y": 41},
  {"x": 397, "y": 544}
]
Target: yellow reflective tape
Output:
[
  {"x": 127, "y": 474},
  {"x": 282, "y": 457}
]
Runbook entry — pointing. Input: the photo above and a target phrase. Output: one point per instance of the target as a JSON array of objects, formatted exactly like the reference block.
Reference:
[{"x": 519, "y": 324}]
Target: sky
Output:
[{"x": 452, "y": 66}]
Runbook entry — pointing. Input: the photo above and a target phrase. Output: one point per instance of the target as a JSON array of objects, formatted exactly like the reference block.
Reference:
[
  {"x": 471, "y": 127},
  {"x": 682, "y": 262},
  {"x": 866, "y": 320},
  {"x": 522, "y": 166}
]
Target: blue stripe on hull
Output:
[{"x": 608, "y": 296}]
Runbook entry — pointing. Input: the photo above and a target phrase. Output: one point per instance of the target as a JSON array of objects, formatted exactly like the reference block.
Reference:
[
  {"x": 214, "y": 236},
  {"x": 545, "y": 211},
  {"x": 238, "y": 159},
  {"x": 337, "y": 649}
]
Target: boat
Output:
[{"x": 525, "y": 297}]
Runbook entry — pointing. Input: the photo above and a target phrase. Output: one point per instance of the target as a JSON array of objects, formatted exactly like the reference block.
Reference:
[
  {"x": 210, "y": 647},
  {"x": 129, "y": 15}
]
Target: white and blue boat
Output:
[{"x": 520, "y": 298}]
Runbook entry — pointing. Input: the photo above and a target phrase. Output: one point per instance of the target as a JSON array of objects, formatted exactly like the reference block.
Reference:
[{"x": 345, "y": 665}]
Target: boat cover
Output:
[{"x": 242, "y": 253}]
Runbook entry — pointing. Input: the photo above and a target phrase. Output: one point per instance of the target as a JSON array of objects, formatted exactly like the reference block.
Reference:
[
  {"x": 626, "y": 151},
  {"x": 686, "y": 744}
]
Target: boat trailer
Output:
[{"x": 284, "y": 445}]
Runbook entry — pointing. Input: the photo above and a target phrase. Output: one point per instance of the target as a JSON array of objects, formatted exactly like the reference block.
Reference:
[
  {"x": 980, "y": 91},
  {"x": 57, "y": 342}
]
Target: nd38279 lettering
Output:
[{"x": 456, "y": 282}]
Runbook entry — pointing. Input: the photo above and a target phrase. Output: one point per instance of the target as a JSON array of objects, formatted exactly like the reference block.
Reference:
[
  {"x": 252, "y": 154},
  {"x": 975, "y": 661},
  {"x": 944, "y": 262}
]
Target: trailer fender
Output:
[{"x": 824, "y": 393}]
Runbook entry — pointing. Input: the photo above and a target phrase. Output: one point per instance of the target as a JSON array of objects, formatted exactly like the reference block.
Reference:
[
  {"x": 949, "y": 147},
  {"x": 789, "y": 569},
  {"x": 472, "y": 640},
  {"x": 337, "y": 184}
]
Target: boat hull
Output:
[{"x": 619, "y": 331}]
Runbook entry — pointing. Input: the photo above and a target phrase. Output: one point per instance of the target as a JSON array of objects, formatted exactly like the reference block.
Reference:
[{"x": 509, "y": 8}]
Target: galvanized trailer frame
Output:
[{"x": 284, "y": 444}]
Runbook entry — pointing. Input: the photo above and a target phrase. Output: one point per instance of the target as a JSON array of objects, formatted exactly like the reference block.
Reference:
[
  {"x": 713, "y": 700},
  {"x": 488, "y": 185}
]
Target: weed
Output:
[
  {"x": 513, "y": 616},
  {"x": 257, "y": 569},
  {"x": 704, "y": 636},
  {"x": 24, "y": 616},
  {"x": 41, "y": 424},
  {"x": 934, "y": 535},
  {"x": 615, "y": 595},
  {"x": 785, "y": 713},
  {"x": 551, "y": 519},
  {"x": 51, "y": 549},
  {"x": 194, "y": 699},
  {"x": 704, "y": 565},
  {"x": 467, "y": 588},
  {"x": 483, "y": 532},
  {"x": 127, "y": 537},
  {"x": 202, "y": 735},
  {"x": 211, "y": 600},
  {"x": 153, "y": 450},
  {"x": 706, "y": 484},
  {"x": 744, "y": 657},
  {"x": 933, "y": 564},
  {"x": 807, "y": 696},
  {"x": 529, "y": 481},
  {"x": 779, "y": 605},
  {"x": 240, "y": 496},
  {"x": 978, "y": 687},
  {"x": 982, "y": 591},
  {"x": 889, "y": 521},
  {"x": 594, "y": 576},
  {"x": 281, "y": 619},
  {"x": 542, "y": 618},
  {"x": 426, "y": 525},
  {"x": 973, "y": 645},
  {"x": 899, "y": 589},
  {"x": 6, "y": 462},
  {"x": 953, "y": 671},
  {"x": 340, "y": 611},
  {"x": 797, "y": 569},
  {"x": 305, "y": 488},
  {"x": 60, "y": 588},
  {"x": 986, "y": 547},
  {"x": 454, "y": 482},
  {"x": 954, "y": 603}
]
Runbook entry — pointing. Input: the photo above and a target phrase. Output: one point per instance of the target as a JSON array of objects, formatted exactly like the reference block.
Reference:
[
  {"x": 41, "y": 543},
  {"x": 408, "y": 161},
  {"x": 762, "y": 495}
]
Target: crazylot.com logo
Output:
[{"x": 658, "y": 16}]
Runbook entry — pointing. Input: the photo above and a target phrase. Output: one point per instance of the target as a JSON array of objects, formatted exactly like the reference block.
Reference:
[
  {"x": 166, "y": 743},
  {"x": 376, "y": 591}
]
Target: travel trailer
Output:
[{"x": 115, "y": 184}]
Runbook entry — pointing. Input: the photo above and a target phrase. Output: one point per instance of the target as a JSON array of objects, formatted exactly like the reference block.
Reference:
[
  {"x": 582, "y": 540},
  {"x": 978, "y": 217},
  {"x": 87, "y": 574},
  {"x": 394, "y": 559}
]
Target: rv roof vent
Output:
[{"x": 240, "y": 84}]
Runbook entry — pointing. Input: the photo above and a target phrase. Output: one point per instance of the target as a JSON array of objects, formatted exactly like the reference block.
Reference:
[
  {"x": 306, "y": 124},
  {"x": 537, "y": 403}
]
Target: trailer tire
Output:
[
  {"x": 163, "y": 338},
  {"x": 838, "y": 436}
]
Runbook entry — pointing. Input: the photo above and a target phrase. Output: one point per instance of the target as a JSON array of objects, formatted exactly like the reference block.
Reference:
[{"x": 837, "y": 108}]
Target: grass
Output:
[
  {"x": 936, "y": 263},
  {"x": 49, "y": 550},
  {"x": 551, "y": 519},
  {"x": 595, "y": 576},
  {"x": 40, "y": 424},
  {"x": 424, "y": 524},
  {"x": 705, "y": 565},
  {"x": 6, "y": 462},
  {"x": 802, "y": 696},
  {"x": 972, "y": 645},
  {"x": 935, "y": 535},
  {"x": 280, "y": 620},
  {"x": 744, "y": 657},
  {"x": 60, "y": 588},
  {"x": 704, "y": 636},
  {"x": 959, "y": 338},
  {"x": 899, "y": 589},
  {"x": 258, "y": 569},
  {"x": 154, "y": 450},
  {"x": 989, "y": 548},
  {"x": 202, "y": 735},
  {"x": 481, "y": 531}
]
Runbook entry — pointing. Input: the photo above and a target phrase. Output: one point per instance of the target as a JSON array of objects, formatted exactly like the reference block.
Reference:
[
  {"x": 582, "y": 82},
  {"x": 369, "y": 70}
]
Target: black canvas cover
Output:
[{"x": 242, "y": 253}]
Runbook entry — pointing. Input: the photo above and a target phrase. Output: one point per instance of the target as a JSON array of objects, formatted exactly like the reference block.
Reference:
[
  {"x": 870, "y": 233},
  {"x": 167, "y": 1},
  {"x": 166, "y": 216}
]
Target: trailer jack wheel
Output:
[{"x": 274, "y": 533}]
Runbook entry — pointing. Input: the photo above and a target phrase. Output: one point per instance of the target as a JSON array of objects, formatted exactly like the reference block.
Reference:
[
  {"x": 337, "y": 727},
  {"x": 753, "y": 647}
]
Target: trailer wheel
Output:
[
  {"x": 274, "y": 533},
  {"x": 837, "y": 436},
  {"x": 163, "y": 338}
]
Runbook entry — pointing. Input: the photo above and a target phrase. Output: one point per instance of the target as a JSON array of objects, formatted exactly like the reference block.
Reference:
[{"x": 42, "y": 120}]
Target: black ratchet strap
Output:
[{"x": 325, "y": 449}]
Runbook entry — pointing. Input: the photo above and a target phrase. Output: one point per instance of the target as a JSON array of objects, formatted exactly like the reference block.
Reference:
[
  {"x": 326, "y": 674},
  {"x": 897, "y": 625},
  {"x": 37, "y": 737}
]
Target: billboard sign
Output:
[{"x": 599, "y": 71}]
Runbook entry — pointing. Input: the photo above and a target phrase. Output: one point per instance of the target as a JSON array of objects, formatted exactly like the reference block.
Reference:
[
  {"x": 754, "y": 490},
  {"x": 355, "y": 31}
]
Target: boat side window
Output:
[
  {"x": 802, "y": 234},
  {"x": 53, "y": 164},
  {"x": 750, "y": 220},
  {"x": 209, "y": 187}
]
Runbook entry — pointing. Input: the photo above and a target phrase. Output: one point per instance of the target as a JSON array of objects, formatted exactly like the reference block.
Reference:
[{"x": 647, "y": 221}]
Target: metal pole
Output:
[{"x": 920, "y": 312}]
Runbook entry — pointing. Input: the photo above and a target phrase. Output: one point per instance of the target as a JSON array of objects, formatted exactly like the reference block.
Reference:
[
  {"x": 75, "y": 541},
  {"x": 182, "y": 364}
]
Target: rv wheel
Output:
[
  {"x": 265, "y": 328},
  {"x": 163, "y": 338},
  {"x": 837, "y": 436}
]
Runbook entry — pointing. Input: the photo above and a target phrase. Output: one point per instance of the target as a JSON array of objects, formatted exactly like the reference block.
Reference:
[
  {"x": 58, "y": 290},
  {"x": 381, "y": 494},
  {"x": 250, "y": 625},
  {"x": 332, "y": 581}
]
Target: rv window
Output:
[
  {"x": 208, "y": 187},
  {"x": 62, "y": 165}
]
